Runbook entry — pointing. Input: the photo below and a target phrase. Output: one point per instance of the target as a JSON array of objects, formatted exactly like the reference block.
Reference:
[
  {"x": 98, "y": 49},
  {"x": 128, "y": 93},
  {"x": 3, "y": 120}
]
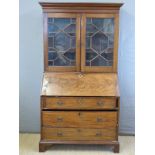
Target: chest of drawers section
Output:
[{"x": 79, "y": 120}]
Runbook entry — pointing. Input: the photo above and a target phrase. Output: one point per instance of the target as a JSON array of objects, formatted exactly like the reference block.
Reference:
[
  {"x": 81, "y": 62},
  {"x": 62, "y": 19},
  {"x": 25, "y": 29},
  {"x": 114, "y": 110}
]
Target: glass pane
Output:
[
  {"x": 61, "y": 41},
  {"x": 99, "y": 41}
]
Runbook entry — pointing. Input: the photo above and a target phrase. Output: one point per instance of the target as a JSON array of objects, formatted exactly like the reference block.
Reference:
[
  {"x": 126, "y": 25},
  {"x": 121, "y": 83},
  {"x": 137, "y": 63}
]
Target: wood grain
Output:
[
  {"x": 80, "y": 84},
  {"x": 81, "y": 119}
]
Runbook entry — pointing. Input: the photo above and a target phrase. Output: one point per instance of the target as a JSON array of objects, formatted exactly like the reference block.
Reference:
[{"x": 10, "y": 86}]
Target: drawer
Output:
[
  {"x": 79, "y": 103},
  {"x": 78, "y": 134},
  {"x": 83, "y": 119}
]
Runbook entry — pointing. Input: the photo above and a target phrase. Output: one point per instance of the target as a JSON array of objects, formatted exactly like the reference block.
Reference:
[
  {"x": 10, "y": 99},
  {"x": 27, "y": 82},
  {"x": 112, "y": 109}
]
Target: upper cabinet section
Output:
[{"x": 80, "y": 37}]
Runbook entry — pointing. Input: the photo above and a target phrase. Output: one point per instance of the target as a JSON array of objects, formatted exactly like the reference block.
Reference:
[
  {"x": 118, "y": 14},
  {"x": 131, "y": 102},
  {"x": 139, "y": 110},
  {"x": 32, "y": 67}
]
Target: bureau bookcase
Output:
[{"x": 80, "y": 95}]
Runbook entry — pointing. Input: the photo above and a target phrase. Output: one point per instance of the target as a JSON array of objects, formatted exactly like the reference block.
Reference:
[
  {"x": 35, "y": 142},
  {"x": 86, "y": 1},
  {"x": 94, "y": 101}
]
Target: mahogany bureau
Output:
[{"x": 80, "y": 95}]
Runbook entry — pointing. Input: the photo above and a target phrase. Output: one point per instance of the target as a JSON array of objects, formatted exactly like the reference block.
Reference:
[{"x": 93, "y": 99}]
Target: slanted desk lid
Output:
[{"x": 78, "y": 84}]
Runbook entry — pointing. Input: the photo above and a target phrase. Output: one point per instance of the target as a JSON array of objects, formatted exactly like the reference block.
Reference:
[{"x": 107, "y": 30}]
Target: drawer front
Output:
[
  {"x": 79, "y": 103},
  {"x": 81, "y": 119},
  {"x": 78, "y": 134}
]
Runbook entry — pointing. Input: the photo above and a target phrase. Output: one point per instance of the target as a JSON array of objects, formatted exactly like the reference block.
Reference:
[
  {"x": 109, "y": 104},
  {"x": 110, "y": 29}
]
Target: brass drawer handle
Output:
[
  {"x": 59, "y": 119},
  {"x": 59, "y": 134},
  {"x": 99, "y": 119},
  {"x": 59, "y": 103},
  {"x": 81, "y": 75},
  {"x": 100, "y": 103},
  {"x": 98, "y": 134}
]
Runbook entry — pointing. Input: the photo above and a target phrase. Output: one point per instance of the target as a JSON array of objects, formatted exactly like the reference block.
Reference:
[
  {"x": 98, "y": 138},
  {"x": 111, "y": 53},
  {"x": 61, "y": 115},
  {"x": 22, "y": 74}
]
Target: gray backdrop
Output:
[{"x": 31, "y": 65}]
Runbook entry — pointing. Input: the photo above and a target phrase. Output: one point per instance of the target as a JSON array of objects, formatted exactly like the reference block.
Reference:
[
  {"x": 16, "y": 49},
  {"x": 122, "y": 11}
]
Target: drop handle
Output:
[
  {"x": 100, "y": 103},
  {"x": 98, "y": 119},
  {"x": 80, "y": 75},
  {"x": 59, "y": 119},
  {"x": 98, "y": 134},
  {"x": 59, "y": 103},
  {"x": 59, "y": 134}
]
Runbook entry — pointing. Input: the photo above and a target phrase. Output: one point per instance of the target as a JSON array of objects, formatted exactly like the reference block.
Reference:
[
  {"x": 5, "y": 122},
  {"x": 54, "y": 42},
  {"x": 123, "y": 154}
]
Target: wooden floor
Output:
[{"x": 29, "y": 146}]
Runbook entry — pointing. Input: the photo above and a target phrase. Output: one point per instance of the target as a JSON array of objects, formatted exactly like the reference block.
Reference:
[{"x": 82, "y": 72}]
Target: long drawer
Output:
[
  {"x": 83, "y": 119},
  {"x": 78, "y": 134},
  {"x": 79, "y": 103}
]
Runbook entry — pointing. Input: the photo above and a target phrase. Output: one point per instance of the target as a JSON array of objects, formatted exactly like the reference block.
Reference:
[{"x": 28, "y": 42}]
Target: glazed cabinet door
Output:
[
  {"x": 99, "y": 42},
  {"x": 61, "y": 42}
]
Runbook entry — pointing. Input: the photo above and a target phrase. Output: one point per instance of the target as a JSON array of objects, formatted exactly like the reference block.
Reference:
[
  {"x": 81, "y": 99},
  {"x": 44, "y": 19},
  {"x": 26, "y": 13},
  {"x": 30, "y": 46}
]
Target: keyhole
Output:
[{"x": 79, "y": 113}]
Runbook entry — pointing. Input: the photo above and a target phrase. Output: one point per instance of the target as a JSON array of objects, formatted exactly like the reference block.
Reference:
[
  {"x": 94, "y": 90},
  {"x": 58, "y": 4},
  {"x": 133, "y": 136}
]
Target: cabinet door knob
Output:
[
  {"x": 59, "y": 103},
  {"x": 59, "y": 119},
  {"x": 59, "y": 134},
  {"x": 100, "y": 103}
]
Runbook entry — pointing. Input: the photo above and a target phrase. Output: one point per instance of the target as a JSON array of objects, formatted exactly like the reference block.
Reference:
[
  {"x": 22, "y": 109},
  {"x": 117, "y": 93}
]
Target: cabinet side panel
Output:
[
  {"x": 116, "y": 38},
  {"x": 45, "y": 41}
]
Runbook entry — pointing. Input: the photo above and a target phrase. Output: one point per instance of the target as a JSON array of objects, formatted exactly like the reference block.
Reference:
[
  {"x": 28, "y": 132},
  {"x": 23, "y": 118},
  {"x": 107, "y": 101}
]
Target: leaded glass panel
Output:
[
  {"x": 99, "y": 41},
  {"x": 61, "y": 41}
]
